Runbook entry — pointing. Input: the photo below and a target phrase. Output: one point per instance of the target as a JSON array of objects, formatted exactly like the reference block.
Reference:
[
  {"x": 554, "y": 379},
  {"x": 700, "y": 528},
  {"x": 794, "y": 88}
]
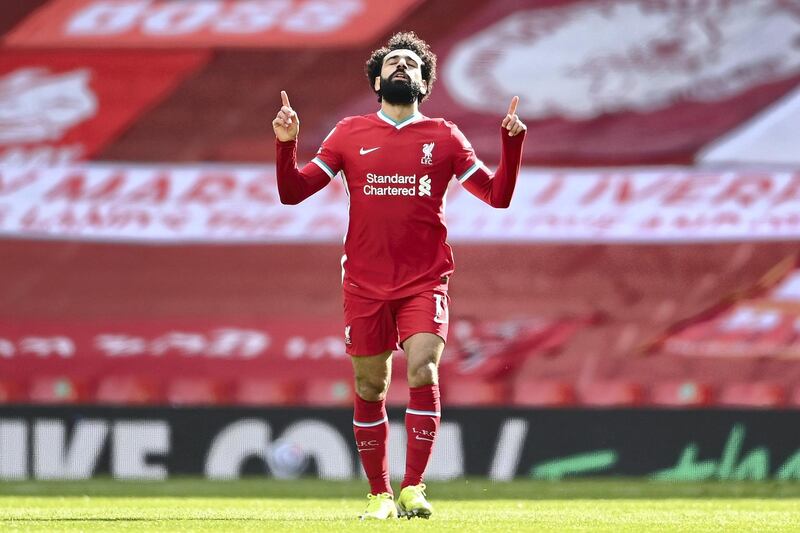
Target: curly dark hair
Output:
[{"x": 407, "y": 40}]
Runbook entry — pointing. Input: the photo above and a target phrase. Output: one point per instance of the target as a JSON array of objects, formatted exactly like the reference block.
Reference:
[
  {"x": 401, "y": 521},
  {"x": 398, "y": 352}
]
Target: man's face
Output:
[{"x": 401, "y": 80}]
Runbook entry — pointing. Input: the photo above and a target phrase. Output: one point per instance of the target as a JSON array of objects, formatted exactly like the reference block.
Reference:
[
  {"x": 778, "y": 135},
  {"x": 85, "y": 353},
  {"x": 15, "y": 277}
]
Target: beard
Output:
[{"x": 400, "y": 92}]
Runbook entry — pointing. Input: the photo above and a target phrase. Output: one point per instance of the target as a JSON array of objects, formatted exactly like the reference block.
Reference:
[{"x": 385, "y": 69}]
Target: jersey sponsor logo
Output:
[
  {"x": 397, "y": 185},
  {"x": 365, "y": 151},
  {"x": 425, "y": 186},
  {"x": 390, "y": 185},
  {"x": 427, "y": 153}
]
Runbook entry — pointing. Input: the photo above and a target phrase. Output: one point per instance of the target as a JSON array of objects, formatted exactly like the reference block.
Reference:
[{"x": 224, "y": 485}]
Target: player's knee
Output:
[
  {"x": 372, "y": 389},
  {"x": 424, "y": 374}
]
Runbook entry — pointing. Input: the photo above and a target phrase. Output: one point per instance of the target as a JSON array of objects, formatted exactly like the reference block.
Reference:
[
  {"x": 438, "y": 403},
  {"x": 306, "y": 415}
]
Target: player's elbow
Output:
[{"x": 288, "y": 199}]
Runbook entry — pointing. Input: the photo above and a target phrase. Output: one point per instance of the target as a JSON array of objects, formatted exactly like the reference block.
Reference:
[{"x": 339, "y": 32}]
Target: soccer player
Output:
[{"x": 396, "y": 165}]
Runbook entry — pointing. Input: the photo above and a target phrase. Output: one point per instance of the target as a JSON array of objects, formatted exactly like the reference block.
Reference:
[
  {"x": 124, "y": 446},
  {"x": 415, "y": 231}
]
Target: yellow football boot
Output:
[
  {"x": 380, "y": 507},
  {"x": 412, "y": 502}
]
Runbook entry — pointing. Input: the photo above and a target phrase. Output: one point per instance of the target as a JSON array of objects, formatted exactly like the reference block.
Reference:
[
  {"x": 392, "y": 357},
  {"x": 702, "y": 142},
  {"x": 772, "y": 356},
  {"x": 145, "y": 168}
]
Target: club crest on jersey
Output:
[{"x": 427, "y": 154}]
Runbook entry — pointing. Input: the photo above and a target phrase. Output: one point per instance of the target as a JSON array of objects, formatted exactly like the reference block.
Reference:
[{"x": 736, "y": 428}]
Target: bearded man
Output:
[{"x": 396, "y": 165}]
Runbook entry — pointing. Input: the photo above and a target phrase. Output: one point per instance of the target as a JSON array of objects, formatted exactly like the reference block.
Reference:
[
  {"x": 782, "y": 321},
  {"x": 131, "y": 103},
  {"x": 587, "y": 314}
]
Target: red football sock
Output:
[
  {"x": 422, "y": 423},
  {"x": 371, "y": 428}
]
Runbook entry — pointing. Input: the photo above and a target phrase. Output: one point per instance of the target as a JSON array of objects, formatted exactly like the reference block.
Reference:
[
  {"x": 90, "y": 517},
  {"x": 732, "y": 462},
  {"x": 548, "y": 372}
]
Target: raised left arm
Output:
[{"x": 497, "y": 189}]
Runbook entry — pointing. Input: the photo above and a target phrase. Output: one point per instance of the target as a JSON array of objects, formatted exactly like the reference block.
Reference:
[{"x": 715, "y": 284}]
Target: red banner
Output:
[
  {"x": 169, "y": 348},
  {"x": 762, "y": 321},
  {"x": 69, "y": 105},
  {"x": 216, "y": 203},
  {"x": 277, "y": 348},
  {"x": 208, "y": 23},
  {"x": 686, "y": 77}
]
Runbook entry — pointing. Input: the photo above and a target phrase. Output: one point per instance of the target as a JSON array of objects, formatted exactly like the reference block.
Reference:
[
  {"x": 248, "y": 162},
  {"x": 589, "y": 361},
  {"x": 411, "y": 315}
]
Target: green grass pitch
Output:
[{"x": 461, "y": 506}]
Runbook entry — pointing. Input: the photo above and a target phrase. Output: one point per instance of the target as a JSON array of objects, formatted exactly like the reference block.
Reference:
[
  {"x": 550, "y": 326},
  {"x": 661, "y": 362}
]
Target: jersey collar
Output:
[{"x": 405, "y": 122}]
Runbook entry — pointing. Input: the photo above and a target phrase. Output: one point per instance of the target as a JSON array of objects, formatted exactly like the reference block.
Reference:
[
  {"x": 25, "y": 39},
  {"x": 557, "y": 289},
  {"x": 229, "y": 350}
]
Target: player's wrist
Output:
[{"x": 512, "y": 139}]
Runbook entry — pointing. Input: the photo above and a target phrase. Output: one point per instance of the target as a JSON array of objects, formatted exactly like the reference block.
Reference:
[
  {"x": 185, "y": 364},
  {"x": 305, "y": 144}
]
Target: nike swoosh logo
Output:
[
  {"x": 421, "y": 438},
  {"x": 365, "y": 152}
]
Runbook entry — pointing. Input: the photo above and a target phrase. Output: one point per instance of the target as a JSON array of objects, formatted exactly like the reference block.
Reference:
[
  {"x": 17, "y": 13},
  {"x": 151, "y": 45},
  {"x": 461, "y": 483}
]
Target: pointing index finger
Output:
[
  {"x": 512, "y": 108},
  {"x": 285, "y": 99}
]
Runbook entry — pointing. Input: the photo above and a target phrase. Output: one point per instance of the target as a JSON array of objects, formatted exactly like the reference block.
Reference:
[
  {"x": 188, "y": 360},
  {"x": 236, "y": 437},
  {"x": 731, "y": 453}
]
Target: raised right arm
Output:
[{"x": 295, "y": 185}]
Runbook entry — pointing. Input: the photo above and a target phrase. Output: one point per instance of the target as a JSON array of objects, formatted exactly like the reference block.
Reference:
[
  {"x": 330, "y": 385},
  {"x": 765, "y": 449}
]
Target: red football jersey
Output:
[{"x": 396, "y": 175}]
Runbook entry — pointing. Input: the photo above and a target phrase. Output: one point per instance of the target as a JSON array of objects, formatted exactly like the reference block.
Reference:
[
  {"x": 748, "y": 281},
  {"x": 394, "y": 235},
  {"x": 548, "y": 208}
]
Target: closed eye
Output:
[{"x": 395, "y": 59}]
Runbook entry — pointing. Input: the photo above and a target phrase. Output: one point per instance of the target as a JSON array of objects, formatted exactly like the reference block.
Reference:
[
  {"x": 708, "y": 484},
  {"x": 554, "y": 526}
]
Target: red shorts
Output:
[{"x": 375, "y": 326}]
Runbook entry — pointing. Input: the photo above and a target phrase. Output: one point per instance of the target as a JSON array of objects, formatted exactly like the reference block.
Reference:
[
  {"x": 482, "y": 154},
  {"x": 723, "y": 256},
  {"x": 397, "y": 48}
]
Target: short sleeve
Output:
[
  {"x": 329, "y": 155},
  {"x": 465, "y": 162}
]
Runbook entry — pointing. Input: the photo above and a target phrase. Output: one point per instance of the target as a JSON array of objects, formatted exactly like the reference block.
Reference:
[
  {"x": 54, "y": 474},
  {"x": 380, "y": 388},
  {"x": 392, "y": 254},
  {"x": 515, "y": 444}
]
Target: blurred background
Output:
[{"x": 161, "y": 313}]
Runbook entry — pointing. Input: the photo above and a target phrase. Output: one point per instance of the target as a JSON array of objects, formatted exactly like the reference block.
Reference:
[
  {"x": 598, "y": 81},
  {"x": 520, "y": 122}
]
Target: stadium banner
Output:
[
  {"x": 218, "y": 203},
  {"x": 663, "y": 93},
  {"x": 207, "y": 23},
  {"x": 229, "y": 349},
  {"x": 502, "y": 444},
  {"x": 64, "y": 106},
  {"x": 760, "y": 321}
]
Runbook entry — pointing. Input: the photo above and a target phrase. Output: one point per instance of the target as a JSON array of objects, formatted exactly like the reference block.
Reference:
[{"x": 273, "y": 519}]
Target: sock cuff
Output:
[
  {"x": 424, "y": 390},
  {"x": 419, "y": 412},
  {"x": 425, "y": 398},
  {"x": 369, "y": 414}
]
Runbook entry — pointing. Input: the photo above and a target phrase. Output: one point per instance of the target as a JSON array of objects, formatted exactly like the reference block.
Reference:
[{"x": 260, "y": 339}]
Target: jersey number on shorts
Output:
[{"x": 441, "y": 309}]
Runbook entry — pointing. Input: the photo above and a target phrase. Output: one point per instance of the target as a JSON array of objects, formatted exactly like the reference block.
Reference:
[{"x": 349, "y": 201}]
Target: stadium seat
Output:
[
  {"x": 260, "y": 391},
  {"x": 55, "y": 389},
  {"x": 474, "y": 392},
  {"x": 611, "y": 394},
  {"x": 757, "y": 394},
  {"x": 680, "y": 394},
  {"x": 195, "y": 391},
  {"x": 328, "y": 392},
  {"x": 122, "y": 390},
  {"x": 543, "y": 393}
]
